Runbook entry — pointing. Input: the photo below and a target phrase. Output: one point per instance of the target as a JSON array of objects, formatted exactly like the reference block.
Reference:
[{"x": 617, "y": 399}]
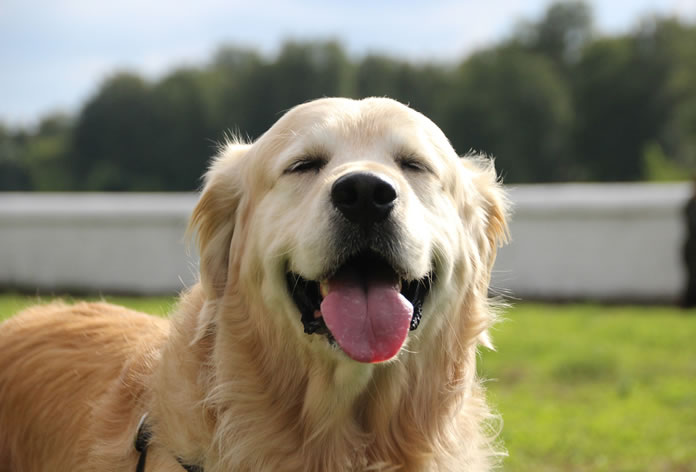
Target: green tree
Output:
[
  {"x": 14, "y": 176},
  {"x": 561, "y": 33},
  {"x": 254, "y": 91},
  {"x": 304, "y": 71},
  {"x": 669, "y": 43},
  {"x": 181, "y": 143},
  {"x": 620, "y": 100},
  {"x": 47, "y": 154},
  {"x": 301, "y": 72},
  {"x": 423, "y": 87},
  {"x": 513, "y": 104},
  {"x": 113, "y": 136},
  {"x": 232, "y": 85},
  {"x": 553, "y": 102}
]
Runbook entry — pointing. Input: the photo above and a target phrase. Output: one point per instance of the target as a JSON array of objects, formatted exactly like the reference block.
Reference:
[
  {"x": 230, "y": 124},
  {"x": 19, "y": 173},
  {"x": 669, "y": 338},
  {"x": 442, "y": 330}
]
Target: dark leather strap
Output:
[
  {"x": 190, "y": 468},
  {"x": 142, "y": 442}
]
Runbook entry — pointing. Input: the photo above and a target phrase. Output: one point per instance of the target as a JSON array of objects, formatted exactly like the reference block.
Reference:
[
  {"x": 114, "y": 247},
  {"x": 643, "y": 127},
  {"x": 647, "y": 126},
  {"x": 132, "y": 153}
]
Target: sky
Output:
[{"x": 54, "y": 54}]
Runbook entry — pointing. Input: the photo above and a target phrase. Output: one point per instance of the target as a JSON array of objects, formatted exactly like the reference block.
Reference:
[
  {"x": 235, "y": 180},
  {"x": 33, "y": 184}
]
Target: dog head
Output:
[{"x": 354, "y": 224}]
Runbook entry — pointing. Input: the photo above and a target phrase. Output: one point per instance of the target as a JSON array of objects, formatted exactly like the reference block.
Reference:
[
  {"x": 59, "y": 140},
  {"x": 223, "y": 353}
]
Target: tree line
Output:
[{"x": 552, "y": 102}]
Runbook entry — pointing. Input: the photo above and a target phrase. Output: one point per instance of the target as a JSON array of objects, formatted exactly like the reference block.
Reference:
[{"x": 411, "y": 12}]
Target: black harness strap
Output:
[
  {"x": 142, "y": 442},
  {"x": 190, "y": 468}
]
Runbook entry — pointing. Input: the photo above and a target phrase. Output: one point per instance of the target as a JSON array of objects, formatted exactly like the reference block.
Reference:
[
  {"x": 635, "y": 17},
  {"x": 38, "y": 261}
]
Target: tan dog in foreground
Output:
[{"x": 345, "y": 258}]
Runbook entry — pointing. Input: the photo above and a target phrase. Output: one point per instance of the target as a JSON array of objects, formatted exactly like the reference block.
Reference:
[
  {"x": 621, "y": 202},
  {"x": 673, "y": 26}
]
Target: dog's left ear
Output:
[
  {"x": 492, "y": 199},
  {"x": 489, "y": 195},
  {"x": 214, "y": 217}
]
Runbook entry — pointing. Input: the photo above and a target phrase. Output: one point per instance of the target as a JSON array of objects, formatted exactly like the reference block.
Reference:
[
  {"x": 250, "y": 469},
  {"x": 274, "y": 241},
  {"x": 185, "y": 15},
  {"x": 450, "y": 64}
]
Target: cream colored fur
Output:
[{"x": 231, "y": 382}]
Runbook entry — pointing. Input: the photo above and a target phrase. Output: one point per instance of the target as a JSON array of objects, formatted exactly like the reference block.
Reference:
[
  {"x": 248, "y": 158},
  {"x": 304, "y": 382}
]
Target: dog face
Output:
[{"x": 356, "y": 226}]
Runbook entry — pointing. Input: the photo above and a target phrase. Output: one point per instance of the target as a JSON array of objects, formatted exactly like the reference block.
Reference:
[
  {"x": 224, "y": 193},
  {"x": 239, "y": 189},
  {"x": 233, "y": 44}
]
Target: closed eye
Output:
[
  {"x": 306, "y": 164},
  {"x": 410, "y": 162}
]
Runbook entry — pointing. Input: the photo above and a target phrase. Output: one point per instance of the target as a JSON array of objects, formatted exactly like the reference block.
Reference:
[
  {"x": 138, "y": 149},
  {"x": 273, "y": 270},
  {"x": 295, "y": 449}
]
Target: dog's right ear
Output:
[{"x": 214, "y": 217}]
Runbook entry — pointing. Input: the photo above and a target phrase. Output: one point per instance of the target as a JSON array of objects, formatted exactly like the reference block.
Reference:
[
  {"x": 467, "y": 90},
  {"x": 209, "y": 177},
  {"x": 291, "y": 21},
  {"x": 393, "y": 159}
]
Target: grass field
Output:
[{"x": 580, "y": 387}]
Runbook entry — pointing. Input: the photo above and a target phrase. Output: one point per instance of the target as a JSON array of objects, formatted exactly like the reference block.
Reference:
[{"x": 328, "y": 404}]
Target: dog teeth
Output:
[{"x": 324, "y": 288}]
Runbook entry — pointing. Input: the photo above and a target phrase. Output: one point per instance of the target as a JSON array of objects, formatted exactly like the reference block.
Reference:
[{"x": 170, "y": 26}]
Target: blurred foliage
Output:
[
  {"x": 658, "y": 167},
  {"x": 553, "y": 102},
  {"x": 529, "y": 130}
]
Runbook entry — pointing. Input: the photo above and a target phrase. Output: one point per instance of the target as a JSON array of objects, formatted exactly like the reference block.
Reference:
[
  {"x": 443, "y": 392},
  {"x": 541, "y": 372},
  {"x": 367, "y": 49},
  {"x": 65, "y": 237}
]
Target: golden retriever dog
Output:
[{"x": 345, "y": 259}]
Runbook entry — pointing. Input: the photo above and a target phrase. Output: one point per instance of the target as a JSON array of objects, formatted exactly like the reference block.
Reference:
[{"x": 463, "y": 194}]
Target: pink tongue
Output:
[{"x": 370, "y": 325}]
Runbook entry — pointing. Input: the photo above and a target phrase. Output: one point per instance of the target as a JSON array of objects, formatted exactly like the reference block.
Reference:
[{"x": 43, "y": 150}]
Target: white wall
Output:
[
  {"x": 611, "y": 242},
  {"x": 618, "y": 242},
  {"x": 106, "y": 243}
]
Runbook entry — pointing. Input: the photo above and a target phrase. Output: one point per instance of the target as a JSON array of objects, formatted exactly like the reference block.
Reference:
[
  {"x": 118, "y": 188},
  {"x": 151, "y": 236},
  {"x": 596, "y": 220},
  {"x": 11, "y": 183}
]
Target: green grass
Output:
[
  {"x": 593, "y": 388},
  {"x": 11, "y": 303},
  {"x": 579, "y": 387}
]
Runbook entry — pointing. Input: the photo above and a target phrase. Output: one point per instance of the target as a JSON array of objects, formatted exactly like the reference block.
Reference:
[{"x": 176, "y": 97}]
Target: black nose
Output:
[{"x": 363, "y": 198}]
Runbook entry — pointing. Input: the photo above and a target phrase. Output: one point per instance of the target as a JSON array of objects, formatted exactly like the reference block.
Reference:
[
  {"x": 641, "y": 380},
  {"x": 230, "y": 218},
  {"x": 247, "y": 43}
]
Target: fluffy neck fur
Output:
[{"x": 284, "y": 409}]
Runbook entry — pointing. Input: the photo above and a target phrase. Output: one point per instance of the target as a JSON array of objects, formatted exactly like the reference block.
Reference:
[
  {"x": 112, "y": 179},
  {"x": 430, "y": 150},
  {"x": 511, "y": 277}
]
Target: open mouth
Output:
[{"x": 364, "y": 306}]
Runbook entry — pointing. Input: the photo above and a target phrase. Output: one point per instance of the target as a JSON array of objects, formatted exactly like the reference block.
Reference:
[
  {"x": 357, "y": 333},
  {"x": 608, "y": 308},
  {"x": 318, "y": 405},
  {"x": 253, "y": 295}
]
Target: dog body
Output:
[{"x": 345, "y": 258}]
